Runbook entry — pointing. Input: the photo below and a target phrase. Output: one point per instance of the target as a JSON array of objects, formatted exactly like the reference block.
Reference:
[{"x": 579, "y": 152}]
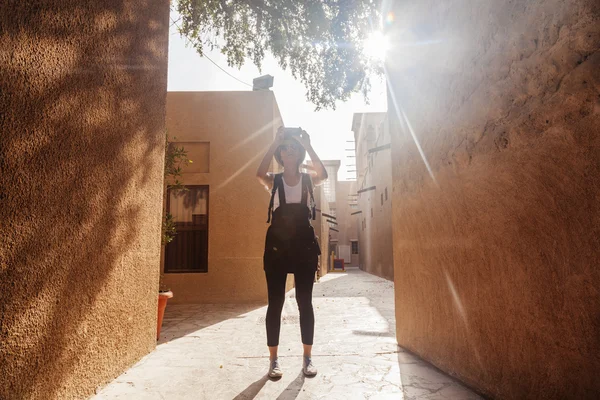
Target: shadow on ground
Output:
[
  {"x": 185, "y": 319},
  {"x": 190, "y": 318},
  {"x": 252, "y": 391}
]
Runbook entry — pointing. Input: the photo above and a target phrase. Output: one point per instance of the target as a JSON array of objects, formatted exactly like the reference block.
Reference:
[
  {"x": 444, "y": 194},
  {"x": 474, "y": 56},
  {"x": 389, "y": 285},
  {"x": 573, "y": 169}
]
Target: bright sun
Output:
[{"x": 376, "y": 46}]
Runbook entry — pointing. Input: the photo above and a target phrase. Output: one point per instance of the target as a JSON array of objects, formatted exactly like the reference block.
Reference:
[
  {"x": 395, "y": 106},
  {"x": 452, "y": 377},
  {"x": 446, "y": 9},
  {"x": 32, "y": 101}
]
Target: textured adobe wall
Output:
[
  {"x": 83, "y": 87},
  {"x": 346, "y": 223},
  {"x": 374, "y": 169},
  {"x": 240, "y": 127},
  {"x": 496, "y": 266},
  {"x": 321, "y": 227}
]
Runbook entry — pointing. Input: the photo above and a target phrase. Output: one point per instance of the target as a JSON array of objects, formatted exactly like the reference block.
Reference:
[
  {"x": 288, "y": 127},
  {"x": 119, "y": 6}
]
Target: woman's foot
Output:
[
  {"x": 275, "y": 369},
  {"x": 308, "y": 368}
]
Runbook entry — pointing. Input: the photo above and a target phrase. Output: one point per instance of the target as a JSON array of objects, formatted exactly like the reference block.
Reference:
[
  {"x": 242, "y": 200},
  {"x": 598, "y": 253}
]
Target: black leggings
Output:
[{"x": 304, "y": 279}]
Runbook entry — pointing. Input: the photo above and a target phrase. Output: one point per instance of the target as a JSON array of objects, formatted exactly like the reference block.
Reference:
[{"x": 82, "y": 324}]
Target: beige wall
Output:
[
  {"x": 329, "y": 190},
  {"x": 240, "y": 126},
  {"x": 496, "y": 261},
  {"x": 321, "y": 227},
  {"x": 347, "y": 223},
  {"x": 374, "y": 169},
  {"x": 81, "y": 164}
]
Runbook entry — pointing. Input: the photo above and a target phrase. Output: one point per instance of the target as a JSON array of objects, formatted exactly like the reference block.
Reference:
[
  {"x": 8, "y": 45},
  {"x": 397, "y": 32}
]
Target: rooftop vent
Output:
[{"x": 264, "y": 82}]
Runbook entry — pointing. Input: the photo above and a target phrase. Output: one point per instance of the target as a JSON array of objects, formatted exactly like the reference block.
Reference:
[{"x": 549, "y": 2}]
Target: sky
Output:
[{"x": 329, "y": 130}]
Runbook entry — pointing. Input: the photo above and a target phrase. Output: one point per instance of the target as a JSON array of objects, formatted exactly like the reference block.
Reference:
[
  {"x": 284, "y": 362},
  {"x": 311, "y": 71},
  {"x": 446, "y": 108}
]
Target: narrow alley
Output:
[{"x": 219, "y": 352}]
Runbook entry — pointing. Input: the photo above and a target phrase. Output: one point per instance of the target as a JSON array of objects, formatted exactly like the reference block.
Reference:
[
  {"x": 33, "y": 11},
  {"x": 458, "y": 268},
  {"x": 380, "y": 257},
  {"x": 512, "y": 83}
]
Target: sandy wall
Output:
[
  {"x": 240, "y": 127},
  {"x": 82, "y": 94},
  {"x": 497, "y": 247},
  {"x": 346, "y": 223},
  {"x": 374, "y": 170}
]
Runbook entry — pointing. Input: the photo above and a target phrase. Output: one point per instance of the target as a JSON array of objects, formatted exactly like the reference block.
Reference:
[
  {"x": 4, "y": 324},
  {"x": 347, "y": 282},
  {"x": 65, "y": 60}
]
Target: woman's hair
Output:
[{"x": 301, "y": 153}]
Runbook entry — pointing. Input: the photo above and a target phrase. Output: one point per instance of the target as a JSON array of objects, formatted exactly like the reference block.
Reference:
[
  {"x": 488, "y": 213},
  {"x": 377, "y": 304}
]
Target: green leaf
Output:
[{"x": 320, "y": 42}]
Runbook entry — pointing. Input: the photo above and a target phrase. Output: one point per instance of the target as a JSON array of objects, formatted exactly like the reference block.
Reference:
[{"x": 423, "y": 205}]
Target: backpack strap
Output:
[
  {"x": 280, "y": 189},
  {"x": 307, "y": 189},
  {"x": 305, "y": 185},
  {"x": 277, "y": 183}
]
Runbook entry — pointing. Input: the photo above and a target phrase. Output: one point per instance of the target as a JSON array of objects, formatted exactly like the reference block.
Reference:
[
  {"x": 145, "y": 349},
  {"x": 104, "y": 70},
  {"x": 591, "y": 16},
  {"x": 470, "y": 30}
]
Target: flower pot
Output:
[{"x": 162, "y": 304}]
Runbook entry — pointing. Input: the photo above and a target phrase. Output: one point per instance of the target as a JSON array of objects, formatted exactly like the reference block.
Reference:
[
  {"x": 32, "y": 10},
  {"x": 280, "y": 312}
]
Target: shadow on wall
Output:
[{"x": 84, "y": 84}]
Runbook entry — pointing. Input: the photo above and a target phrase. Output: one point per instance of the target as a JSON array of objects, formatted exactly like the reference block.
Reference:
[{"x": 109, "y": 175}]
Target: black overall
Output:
[{"x": 290, "y": 247}]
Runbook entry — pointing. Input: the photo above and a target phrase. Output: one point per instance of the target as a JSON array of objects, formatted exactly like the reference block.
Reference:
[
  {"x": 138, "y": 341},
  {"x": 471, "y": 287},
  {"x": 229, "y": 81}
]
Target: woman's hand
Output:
[
  {"x": 317, "y": 171},
  {"x": 279, "y": 136},
  {"x": 303, "y": 139},
  {"x": 262, "y": 174}
]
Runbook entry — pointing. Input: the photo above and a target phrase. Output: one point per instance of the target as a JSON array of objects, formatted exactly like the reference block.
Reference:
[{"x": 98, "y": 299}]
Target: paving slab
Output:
[{"x": 218, "y": 351}]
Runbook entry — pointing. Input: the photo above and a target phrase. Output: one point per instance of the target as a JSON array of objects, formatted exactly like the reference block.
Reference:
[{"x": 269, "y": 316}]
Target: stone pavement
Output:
[{"x": 219, "y": 352}]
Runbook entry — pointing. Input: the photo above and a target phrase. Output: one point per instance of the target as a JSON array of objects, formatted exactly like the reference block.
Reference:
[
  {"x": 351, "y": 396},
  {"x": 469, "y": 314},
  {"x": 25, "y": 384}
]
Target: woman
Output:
[{"x": 290, "y": 245}]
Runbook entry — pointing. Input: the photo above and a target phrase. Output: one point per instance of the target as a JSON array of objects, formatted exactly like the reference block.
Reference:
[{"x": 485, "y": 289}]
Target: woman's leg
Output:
[
  {"x": 307, "y": 350},
  {"x": 304, "y": 279},
  {"x": 304, "y": 286},
  {"x": 276, "y": 289}
]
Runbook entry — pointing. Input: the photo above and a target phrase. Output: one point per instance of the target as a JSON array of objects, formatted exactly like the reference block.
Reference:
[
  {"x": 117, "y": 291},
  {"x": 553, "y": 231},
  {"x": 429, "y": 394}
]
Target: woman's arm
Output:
[
  {"x": 262, "y": 174},
  {"x": 320, "y": 171}
]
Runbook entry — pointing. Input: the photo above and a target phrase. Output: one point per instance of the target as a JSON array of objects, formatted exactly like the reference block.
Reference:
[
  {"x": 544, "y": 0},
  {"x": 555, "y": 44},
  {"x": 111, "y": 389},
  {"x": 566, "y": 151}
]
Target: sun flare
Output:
[{"x": 376, "y": 46}]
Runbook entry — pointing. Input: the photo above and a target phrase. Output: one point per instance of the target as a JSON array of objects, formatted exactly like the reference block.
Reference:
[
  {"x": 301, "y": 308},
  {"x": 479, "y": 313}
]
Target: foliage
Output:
[
  {"x": 320, "y": 41},
  {"x": 168, "y": 228},
  {"x": 175, "y": 159}
]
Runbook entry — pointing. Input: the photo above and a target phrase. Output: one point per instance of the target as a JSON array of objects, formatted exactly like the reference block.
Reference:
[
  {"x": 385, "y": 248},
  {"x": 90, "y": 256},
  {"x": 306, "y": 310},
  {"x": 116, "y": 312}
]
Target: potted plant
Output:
[
  {"x": 175, "y": 159},
  {"x": 163, "y": 296}
]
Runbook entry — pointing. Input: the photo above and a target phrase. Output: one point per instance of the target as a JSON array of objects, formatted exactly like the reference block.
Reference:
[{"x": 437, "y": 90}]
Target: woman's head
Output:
[{"x": 290, "y": 154}]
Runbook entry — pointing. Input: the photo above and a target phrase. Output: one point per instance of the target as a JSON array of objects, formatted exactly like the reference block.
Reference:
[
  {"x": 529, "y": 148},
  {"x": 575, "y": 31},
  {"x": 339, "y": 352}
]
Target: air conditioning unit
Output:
[{"x": 264, "y": 82}]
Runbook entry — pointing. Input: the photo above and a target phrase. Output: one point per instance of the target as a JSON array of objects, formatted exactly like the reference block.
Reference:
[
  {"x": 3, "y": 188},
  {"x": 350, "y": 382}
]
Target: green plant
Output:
[
  {"x": 168, "y": 228},
  {"x": 175, "y": 159}
]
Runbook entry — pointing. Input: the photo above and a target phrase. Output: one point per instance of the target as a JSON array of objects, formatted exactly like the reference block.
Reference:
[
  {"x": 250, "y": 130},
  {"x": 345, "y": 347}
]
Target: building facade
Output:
[
  {"x": 342, "y": 225},
  {"x": 322, "y": 229},
  {"x": 329, "y": 190},
  {"x": 217, "y": 254},
  {"x": 374, "y": 193},
  {"x": 347, "y": 224},
  {"x": 495, "y": 125}
]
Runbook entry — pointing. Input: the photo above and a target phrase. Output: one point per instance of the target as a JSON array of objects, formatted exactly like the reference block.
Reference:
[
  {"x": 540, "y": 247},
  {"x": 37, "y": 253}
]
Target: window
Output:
[
  {"x": 371, "y": 213},
  {"x": 188, "y": 252},
  {"x": 381, "y": 198},
  {"x": 354, "y": 246},
  {"x": 386, "y": 196}
]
